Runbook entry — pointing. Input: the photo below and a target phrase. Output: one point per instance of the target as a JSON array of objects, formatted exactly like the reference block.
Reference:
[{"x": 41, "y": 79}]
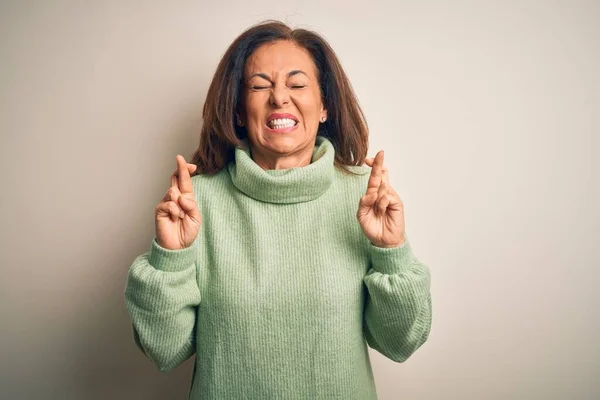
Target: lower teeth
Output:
[{"x": 281, "y": 127}]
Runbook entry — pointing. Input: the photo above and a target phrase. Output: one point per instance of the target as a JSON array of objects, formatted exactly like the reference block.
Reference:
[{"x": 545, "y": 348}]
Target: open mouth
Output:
[{"x": 281, "y": 123}]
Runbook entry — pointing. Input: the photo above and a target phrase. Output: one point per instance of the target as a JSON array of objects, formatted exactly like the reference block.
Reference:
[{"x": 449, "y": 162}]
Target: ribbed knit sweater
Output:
[{"x": 281, "y": 292}]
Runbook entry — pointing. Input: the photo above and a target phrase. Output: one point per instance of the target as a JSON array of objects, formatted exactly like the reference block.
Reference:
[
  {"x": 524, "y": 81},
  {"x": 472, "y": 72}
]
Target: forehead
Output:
[{"x": 279, "y": 57}]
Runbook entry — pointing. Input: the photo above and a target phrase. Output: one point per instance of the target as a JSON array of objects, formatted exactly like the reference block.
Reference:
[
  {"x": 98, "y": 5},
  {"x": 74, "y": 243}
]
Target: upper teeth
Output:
[{"x": 281, "y": 123}]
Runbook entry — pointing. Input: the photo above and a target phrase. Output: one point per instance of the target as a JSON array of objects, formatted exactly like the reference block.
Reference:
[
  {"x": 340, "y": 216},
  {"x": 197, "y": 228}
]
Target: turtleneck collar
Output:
[{"x": 284, "y": 186}]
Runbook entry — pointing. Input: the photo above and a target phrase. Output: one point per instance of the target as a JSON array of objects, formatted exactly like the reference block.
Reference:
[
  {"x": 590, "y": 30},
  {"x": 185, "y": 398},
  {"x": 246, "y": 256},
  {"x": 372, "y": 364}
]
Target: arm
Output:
[
  {"x": 397, "y": 317},
  {"x": 162, "y": 296}
]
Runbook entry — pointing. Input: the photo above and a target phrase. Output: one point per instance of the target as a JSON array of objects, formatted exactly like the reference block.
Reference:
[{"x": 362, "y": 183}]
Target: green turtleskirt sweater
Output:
[{"x": 281, "y": 292}]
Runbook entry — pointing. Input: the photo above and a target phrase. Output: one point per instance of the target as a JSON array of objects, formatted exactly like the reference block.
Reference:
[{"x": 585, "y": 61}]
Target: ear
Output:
[
  {"x": 323, "y": 113},
  {"x": 323, "y": 116},
  {"x": 239, "y": 118}
]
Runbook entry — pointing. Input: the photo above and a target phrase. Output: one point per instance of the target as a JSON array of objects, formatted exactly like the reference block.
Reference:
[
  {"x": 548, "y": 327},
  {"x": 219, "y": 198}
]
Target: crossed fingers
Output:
[
  {"x": 381, "y": 193},
  {"x": 181, "y": 182}
]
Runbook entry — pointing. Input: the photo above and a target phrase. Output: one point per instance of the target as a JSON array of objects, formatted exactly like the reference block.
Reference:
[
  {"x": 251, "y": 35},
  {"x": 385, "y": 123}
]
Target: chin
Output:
[{"x": 283, "y": 143}]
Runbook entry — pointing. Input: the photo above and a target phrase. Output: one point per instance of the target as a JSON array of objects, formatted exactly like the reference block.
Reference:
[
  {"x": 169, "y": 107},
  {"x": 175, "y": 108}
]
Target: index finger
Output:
[
  {"x": 184, "y": 179},
  {"x": 376, "y": 172}
]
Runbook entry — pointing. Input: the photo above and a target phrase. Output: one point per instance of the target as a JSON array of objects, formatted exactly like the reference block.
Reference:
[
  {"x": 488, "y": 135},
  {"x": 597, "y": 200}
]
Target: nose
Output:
[{"x": 280, "y": 96}]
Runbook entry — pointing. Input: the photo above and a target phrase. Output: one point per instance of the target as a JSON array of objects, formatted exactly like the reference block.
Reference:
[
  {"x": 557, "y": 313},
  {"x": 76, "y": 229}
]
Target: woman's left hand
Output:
[{"x": 380, "y": 211}]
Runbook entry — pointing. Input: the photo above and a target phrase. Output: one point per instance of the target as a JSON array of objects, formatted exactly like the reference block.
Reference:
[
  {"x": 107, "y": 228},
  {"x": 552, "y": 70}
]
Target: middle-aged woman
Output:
[{"x": 278, "y": 254}]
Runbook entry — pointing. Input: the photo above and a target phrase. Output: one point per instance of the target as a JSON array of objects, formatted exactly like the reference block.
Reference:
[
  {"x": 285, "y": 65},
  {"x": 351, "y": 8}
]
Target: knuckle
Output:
[{"x": 173, "y": 193}]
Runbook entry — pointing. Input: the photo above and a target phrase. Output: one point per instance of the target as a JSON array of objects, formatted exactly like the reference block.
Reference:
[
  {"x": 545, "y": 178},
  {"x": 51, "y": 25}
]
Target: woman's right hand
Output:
[{"x": 178, "y": 218}]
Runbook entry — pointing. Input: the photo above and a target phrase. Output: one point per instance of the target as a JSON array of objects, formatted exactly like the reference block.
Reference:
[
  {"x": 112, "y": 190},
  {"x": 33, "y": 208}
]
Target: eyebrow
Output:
[{"x": 290, "y": 74}]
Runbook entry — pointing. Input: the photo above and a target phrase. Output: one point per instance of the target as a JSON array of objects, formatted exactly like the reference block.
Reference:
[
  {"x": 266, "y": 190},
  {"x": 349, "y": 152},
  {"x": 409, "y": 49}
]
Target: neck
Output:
[{"x": 269, "y": 160}]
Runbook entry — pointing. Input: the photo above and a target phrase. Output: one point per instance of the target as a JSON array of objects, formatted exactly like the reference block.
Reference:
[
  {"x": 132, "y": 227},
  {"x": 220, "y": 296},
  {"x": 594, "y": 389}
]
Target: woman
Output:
[{"x": 278, "y": 255}]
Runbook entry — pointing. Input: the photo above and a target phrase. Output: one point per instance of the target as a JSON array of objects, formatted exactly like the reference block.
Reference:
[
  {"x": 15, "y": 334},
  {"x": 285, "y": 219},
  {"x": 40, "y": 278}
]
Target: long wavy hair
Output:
[{"x": 346, "y": 126}]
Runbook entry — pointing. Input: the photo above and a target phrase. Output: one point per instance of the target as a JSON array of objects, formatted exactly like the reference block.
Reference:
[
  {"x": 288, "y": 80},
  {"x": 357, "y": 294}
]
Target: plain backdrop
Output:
[{"x": 489, "y": 115}]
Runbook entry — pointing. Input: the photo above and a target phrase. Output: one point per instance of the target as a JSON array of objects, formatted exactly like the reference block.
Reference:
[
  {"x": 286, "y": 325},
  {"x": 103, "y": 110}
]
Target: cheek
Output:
[
  {"x": 310, "y": 108},
  {"x": 255, "y": 108}
]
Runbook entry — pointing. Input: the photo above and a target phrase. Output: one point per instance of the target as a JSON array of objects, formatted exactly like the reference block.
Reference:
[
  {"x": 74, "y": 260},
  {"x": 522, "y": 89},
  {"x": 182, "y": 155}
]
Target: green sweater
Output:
[{"x": 281, "y": 292}]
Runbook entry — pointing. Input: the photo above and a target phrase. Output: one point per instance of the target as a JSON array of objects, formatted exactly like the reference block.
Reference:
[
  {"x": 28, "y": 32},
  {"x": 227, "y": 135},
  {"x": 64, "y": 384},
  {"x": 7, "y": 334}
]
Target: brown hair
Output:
[{"x": 346, "y": 126}]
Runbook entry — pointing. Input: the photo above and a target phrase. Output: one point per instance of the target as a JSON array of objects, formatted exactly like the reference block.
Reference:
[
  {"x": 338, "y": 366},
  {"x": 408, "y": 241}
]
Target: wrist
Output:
[{"x": 390, "y": 245}]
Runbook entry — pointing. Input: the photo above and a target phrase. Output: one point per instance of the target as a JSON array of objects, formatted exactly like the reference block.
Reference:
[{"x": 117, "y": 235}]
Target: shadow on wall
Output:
[
  {"x": 106, "y": 362},
  {"x": 108, "y": 365},
  {"x": 102, "y": 358},
  {"x": 84, "y": 347}
]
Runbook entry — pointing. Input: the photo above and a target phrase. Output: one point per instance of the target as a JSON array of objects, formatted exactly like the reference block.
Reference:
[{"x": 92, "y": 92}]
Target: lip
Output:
[{"x": 278, "y": 116}]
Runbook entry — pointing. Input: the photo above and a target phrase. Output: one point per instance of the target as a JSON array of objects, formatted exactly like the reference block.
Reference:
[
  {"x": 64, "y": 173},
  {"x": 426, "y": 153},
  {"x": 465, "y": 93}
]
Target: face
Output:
[{"x": 282, "y": 104}]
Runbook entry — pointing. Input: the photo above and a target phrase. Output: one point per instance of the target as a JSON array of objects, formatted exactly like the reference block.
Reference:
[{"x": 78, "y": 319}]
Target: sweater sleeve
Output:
[
  {"x": 162, "y": 297},
  {"x": 397, "y": 317}
]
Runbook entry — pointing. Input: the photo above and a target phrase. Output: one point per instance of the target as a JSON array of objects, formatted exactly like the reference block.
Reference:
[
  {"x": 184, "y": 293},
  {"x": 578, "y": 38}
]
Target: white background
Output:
[{"x": 489, "y": 115}]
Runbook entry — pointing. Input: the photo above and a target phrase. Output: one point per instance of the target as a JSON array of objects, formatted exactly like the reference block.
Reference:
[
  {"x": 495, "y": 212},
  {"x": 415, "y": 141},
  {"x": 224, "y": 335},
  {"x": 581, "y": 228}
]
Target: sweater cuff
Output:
[
  {"x": 172, "y": 260},
  {"x": 392, "y": 260}
]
